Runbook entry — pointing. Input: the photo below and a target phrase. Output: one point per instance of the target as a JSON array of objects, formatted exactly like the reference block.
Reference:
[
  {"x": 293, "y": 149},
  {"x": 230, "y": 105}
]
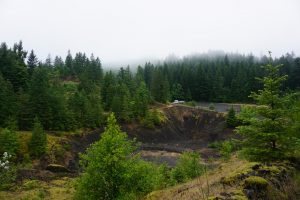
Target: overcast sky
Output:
[{"x": 123, "y": 31}]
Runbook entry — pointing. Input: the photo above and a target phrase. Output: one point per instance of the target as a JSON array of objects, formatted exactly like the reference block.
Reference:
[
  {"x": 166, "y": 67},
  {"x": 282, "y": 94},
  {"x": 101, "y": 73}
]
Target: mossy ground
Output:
[
  {"x": 256, "y": 181},
  {"x": 61, "y": 189},
  {"x": 233, "y": 180}
]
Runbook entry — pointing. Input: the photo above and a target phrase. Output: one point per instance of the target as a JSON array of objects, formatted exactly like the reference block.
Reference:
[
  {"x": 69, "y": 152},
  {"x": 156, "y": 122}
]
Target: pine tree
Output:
[
  {"x": 106, "y": 162},
  {"x": 8, "y": 101},
  {"x": 48, "y": 61},
  {"x": 32, "y": 62},
  {"x": 177, "y": 92},
  {"x": 266, "y": 135},
  {"x": 160, "y": 90},
  {"x": 231, "y": 119},
  {"x": 121, "y": 104},
  {"x": 69, "y": 65},
  {"x": 38, "y": 142},
  {"x": 141, "y": 101},
  {"x": 12, "y": 66},
  {"x": 108, "y": 89},
  {"x": 93, "y": 109},
  {"x": 40, "y": 96},
  {"x": 24, "y": 117},
  {"x": 112, "y": 171}
]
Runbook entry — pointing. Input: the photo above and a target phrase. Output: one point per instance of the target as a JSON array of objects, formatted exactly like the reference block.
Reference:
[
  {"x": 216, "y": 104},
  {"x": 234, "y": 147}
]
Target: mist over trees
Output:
[{"x": 74, "y": 92}]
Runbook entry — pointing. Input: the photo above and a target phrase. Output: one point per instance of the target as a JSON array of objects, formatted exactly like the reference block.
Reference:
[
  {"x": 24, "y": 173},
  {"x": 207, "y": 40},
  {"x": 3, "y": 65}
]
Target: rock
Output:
[
  {"x": 255, "y": 187},
  {"x": 256, "y": 166},
  {"x": 57, "y": 168}
]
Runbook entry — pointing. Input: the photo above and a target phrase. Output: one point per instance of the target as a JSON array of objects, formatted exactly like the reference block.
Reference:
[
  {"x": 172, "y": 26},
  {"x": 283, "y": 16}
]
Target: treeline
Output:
[
  {"x": 217, "y": 78},
  {"x": 71, "y": 93}
]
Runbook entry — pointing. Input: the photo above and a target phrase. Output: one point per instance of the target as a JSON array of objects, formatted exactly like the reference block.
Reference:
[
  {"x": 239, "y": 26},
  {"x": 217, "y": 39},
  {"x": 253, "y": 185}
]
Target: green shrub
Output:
[
  {"x": 9, "y": 142},
  {"x": 8, "y": 171},
  {"x": 211, "y": 106},
  {"x": 31, "y": 184},
  {"x": 215, "y": 145},
  {"x": 153, "y": 118},
  {"x": 112, "y": 171},
  {"x": 226, "y": 148},
  {"x": 188, "y": 167}
]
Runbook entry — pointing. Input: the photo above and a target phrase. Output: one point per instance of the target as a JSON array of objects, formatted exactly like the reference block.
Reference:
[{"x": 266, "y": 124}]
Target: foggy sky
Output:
[{"x": 126, "y": 31}]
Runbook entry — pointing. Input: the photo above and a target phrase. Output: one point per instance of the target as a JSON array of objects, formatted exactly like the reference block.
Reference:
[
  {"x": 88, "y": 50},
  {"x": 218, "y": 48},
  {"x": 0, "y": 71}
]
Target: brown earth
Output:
[{"x": 185, "y": 128}]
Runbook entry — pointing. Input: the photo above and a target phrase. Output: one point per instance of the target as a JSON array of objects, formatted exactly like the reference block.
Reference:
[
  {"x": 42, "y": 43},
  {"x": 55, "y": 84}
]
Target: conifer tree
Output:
[
  {"x": 69, "y": 65},
  {"x": 160, "y": 87},
  {"x": 177, "y": 92},
  {"x": 266, "y": 135},
  {"x": 141, "y": 101},
  {"x": 38, "y": 142},
  {"x": 231, "y": 119},
  {"x": 106, "y": 162},
  {"x": 32, "y": 62},
  {"x": 40, "y": 96},
  {"x": 8, "y": 101}
]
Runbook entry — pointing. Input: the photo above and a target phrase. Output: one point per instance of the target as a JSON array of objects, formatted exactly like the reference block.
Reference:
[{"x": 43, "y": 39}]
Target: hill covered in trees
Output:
[{"x": 73, "y": 92}]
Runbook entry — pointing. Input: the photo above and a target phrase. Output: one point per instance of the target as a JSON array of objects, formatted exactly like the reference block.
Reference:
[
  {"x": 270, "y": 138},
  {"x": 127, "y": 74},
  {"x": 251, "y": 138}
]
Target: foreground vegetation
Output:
[
  {"x": 237, "y": 179},
  {"x": 112, "y": 170}
]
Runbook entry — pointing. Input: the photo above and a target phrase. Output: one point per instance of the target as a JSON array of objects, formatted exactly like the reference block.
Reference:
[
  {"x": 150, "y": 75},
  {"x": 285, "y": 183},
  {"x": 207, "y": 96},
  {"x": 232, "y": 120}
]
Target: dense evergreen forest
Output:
[{"x": 74, "y": 92}]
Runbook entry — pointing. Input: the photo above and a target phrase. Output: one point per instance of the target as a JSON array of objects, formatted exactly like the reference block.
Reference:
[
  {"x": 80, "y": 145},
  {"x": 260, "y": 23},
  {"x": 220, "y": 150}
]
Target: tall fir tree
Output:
[
  {"x": 32, "y": 62},
  {"x": 266, "y": 135},
  {"x": 40, "y": 96},
  {"x": 38, "y": 142}
]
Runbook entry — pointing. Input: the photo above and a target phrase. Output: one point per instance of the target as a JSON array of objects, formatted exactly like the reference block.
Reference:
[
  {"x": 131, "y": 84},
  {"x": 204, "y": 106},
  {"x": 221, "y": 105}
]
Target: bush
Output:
[
  {"x": 211, "y": 106},
  {"x": 112, "y": 171},
  {"x": 7, "y": 171},
  {"x": 226, "y": 148},
  {"x": 188, "y": 167},
  {"x": 9, "y": 142},
  {"x": 153, "y": 118}
]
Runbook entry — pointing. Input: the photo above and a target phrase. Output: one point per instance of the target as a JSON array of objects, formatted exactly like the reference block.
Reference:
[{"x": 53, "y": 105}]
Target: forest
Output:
[
  {"x": 74, "y": 92},
  {"x": 73, "y": 109}
]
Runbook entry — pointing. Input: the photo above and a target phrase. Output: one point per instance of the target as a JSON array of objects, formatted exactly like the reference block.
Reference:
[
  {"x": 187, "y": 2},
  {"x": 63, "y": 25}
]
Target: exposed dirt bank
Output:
[{"x": 186, "y": 128}]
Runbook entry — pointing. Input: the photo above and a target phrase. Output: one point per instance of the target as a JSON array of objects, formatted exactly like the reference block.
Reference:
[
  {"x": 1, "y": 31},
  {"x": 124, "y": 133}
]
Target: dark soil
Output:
[{"x": 185, "y": 129}]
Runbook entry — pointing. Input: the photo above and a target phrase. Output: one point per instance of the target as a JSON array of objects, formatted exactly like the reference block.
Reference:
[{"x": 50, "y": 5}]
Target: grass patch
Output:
[
  {"x": 256, "y": 182},
  {"x": 61, "y": 189}
]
